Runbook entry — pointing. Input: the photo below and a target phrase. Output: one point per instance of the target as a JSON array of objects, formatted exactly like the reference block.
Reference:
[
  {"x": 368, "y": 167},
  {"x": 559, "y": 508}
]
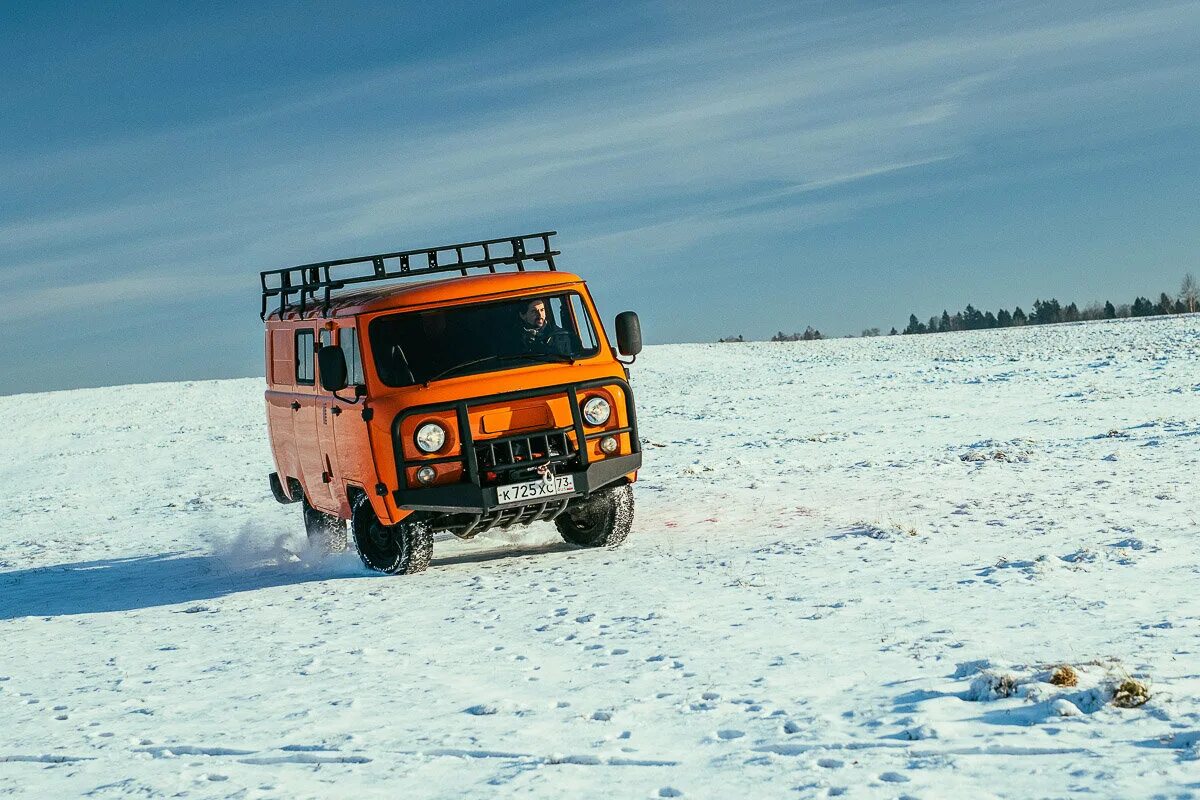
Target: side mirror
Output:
[
  {"x": 629, "y": 333},
  {"x": 332, "y": 362}
]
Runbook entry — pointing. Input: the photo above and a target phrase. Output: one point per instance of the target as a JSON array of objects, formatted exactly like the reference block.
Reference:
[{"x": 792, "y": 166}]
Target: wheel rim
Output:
[
  {"x": 380, "y": 545},
  {"x": 587, "y": 516},
  {"x": 580, "y": 521}
]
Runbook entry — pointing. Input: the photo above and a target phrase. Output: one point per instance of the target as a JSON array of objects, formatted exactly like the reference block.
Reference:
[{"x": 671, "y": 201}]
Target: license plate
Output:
[{"x": 535, "y": 490}]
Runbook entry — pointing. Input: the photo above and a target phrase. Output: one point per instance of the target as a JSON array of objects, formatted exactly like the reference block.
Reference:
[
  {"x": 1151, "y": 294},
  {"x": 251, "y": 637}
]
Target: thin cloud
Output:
[
  {"x": 759, "y": 115},
  {"x": 131, "y": 289}
]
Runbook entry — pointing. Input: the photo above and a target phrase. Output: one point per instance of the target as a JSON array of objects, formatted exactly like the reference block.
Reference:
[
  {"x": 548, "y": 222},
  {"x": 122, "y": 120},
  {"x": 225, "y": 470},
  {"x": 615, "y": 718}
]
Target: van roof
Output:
[{"x": 444, "y": 290}]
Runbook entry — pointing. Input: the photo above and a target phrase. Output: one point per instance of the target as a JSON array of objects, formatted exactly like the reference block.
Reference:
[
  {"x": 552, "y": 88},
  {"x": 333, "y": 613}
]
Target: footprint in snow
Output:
[
  {"x": 726, "y": 734},
  {"x": 482, "y": 710}
]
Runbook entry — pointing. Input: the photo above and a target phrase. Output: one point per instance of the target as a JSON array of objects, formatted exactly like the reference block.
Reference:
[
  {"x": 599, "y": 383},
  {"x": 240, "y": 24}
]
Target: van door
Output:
[
  {"x": 306, "y": 419},
  {"x": 328, "y": 413},
  {"x": 353, "y": 449},
  {"x": 281, "y": 388}
]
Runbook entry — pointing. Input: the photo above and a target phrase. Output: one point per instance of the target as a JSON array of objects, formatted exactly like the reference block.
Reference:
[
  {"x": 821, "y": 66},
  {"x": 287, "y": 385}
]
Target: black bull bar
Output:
[{"x": 472, "y": 497}]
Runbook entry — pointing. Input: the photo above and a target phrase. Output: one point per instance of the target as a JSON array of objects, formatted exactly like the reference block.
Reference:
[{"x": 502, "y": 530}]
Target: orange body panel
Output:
[{"x": 330, "y": 448}]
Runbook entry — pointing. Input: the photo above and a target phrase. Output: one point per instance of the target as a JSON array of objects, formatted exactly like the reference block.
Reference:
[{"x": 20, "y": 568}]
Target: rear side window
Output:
[
  {"x": 282, "y": 359},
  {"x": 354, "y": 367},
  {"x": 304, "y": 357}
]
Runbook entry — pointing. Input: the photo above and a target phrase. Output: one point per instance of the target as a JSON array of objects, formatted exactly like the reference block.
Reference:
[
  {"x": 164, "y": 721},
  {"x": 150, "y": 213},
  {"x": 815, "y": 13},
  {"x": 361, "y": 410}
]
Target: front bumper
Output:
[{"x": 471, "y": 499}]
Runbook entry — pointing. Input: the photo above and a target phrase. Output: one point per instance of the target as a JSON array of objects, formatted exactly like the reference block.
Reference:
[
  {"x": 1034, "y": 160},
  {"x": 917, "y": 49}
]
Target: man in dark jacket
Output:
[{"x": 538, "y": 334}]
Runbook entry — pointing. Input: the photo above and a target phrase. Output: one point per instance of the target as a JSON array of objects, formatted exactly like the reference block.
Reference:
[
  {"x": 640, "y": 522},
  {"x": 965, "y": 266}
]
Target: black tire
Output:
[
  {"x": 401, "y": 549},
  {"x": 602, "y": 520},
  {"x": 326, "y": 533}
]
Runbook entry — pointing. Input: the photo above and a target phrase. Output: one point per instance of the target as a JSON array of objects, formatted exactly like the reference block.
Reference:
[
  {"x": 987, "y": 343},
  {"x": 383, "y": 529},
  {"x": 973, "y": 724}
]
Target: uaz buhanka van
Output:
[{"x": 467, "y": 387}]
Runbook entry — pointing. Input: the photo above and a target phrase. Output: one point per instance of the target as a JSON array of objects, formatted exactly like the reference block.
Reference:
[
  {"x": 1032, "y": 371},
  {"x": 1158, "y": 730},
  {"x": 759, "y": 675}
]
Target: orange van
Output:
[{"x": 456, "y": 388}]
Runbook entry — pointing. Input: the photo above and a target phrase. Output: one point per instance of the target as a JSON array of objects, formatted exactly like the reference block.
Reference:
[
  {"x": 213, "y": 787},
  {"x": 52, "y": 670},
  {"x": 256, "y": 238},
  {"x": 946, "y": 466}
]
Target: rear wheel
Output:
[
  {"x": 401, "y": 549},
  {"x": 602, "y": 520},
  {"x": 326, "y": 533}
]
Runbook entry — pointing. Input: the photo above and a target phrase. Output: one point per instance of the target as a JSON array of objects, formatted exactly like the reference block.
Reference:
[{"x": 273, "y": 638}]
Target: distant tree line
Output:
[
  {"x": 1043, "y": 312},
  {"x": 1046, "y": 312},
  {"x": 810, "y": 334}
]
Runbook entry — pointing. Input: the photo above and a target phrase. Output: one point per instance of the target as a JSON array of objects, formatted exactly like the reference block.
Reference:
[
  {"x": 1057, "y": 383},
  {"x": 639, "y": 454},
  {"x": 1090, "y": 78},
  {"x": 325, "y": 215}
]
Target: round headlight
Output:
[
  {"x": 430, "y": 437},
  {"x": 596, "y": 411},
  {"x": 426, "y": 474},
  {"x": 609, "y": 444}
]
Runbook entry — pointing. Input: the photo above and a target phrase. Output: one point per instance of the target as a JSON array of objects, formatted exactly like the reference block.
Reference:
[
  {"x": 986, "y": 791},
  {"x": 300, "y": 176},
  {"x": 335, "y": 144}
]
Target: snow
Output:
[{"x": 855, "y": 567}]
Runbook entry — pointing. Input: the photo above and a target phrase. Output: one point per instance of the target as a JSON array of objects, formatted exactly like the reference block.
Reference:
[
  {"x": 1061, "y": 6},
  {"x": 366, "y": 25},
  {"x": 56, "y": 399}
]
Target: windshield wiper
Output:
[
  {"x": 399, "y": 357},
  {"x": 556, "y": 356},
  {"x": 509, "y": 357}
]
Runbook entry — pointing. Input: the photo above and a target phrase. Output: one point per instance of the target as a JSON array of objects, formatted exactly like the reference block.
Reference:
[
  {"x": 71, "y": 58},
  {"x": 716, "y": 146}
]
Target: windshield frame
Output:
[{"x": 575, "y": 299}]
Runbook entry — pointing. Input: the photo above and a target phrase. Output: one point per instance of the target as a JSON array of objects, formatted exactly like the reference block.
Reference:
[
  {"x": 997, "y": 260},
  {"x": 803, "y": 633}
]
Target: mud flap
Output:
[{"x": 280, "y": 494}]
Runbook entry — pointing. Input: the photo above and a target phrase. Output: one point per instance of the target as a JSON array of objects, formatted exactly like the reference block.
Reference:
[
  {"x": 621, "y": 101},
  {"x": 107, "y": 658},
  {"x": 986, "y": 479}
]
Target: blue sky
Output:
[{"x": 831, "y": 164}]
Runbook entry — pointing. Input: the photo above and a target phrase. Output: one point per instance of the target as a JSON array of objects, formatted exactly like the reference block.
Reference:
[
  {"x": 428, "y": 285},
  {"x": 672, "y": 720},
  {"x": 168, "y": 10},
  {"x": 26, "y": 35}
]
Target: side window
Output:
[
  {"x": 583, "y": 323},
  {"x": 354, "y": 367},
  {"x": 282, "y": 359},
  {"x": 304, "y": 357}
]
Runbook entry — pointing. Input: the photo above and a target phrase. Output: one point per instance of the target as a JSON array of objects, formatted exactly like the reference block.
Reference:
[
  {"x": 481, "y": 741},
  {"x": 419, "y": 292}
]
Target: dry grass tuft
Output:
[
  {"x": 1005, "y": 686},
  {"x": 991, "y": 685},
  {"x": 1130, "y": 693},
  {"x": 1064, "y": 675},
  {"x": 900, "y": 527}
]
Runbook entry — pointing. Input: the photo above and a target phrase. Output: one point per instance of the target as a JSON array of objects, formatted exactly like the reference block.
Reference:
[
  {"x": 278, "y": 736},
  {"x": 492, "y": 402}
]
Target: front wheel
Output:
[
  {"x": 326, "y": 533},
  {"x": 602, "y": 520},
  {"x": 401, "y": 549}
]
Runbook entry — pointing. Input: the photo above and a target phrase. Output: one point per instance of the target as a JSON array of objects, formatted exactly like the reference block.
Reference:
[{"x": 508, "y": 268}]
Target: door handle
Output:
[{"x": 295, "y": 405}]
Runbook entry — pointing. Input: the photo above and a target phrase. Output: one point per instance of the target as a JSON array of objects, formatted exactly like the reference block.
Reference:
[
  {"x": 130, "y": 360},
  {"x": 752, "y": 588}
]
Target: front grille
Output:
[{"x": 521, "y": 453}]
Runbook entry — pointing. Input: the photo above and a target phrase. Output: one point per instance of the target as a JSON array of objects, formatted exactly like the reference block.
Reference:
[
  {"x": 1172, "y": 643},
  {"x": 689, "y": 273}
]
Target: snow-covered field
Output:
[{"x": 846, "y": 554}]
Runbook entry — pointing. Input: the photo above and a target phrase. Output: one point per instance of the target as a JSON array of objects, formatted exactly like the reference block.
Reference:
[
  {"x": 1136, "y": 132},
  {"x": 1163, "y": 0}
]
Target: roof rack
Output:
[{"x": 306, "y": 280}]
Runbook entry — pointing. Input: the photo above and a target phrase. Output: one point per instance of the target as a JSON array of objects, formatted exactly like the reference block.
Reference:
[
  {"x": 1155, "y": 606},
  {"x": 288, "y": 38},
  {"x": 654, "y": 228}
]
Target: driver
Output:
[{"x": 538, "y": 334}]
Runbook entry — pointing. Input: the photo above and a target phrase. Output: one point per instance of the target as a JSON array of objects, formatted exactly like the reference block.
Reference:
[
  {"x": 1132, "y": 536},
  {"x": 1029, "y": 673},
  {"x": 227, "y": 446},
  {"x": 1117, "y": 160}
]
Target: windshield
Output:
[{"x": 423, "y": 346}]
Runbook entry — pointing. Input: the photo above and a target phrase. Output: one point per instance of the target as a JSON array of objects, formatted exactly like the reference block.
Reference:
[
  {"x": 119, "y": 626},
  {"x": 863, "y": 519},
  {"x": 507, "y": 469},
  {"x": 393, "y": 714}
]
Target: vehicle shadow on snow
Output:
[
  {"x": 124, "y": 584},
  {"x": 165, "y": 579}
]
